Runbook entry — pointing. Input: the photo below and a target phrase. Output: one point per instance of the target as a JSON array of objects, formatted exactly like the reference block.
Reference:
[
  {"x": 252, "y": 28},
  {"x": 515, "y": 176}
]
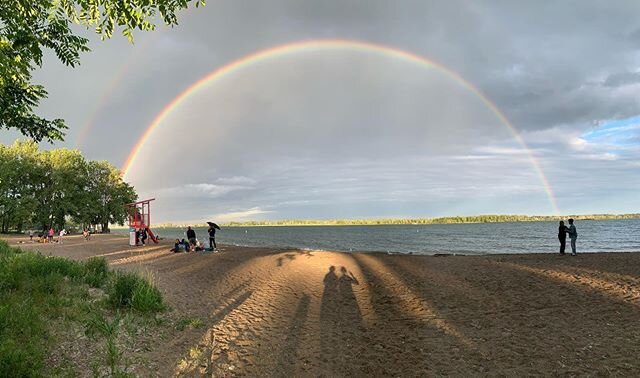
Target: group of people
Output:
[
  {"x": 47, "y": 236},
  {"x": 192, "y": 244},
  {"x": 562, "y": 236}
]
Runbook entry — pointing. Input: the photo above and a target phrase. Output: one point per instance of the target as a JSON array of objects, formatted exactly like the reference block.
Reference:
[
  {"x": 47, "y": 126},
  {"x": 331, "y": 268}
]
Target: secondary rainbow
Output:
[{"x": 331, "y": 44}]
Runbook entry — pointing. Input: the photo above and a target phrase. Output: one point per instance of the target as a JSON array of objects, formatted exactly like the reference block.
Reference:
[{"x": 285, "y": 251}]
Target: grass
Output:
[
  {"x": 187, "y": 322},
  {"x": 129, "y": 290},
  {"x": 37, "y": 291}
]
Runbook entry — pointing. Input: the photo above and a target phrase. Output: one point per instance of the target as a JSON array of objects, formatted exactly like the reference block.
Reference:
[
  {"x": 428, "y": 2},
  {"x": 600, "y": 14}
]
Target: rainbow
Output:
[{"x": 331, "y": 44}]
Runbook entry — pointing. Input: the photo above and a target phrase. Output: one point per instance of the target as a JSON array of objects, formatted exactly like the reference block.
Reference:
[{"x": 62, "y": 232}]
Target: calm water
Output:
[{"x": 482, "y": 238}]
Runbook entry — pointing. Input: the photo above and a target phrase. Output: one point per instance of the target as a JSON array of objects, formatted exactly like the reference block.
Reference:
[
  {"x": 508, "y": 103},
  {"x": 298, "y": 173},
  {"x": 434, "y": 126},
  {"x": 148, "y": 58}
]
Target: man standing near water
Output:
[
  {"x": 212, "y": 237},
  {"x": 573, "y": 235}
]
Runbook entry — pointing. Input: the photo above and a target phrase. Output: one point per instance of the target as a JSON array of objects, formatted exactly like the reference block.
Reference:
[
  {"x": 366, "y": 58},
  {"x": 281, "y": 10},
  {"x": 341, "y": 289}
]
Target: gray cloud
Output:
[{"x": 345, "y": 134}]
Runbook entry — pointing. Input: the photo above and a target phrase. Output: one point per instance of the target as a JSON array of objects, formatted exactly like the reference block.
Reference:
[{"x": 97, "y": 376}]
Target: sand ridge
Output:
[{"x": 269, "y": 312}]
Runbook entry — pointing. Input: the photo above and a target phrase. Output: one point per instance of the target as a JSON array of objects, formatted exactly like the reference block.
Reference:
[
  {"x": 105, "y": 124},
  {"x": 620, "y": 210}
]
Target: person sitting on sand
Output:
[
  {"x": 184, "y": 246},
  {"x": 562, "y": 236},
  {"x": 176, "y": 246},
  {"x": 143, "y": 236}
]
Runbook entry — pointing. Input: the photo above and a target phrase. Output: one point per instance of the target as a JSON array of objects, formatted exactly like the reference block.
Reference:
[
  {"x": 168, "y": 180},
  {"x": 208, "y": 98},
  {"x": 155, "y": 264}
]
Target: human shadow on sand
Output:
[
  {"x": 340, "y": 320},
  {"x": 289, "y": 359}
]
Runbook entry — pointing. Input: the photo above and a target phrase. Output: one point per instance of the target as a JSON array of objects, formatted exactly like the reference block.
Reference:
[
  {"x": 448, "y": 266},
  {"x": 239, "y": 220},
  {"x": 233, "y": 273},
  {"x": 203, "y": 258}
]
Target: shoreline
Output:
[{"x": 16, "y": 240}]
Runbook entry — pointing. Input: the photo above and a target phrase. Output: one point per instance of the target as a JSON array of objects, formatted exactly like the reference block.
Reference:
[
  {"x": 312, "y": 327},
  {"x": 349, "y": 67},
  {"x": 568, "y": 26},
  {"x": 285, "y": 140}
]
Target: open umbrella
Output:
[{"x": 211, "y": 224}]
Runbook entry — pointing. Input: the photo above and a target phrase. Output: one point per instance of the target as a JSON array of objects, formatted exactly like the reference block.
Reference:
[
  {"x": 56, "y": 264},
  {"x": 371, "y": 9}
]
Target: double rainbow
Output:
[{"x": 322, "y": 45}]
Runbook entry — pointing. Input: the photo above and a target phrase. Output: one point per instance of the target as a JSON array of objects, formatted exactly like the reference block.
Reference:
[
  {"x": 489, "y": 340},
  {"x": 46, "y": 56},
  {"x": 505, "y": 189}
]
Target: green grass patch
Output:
[
  {"x": 130, "y": 290},
  {"x": 187, "y": 322},
  {"x": 37, "y": 291},
  {"x": 96, "y": 271}
]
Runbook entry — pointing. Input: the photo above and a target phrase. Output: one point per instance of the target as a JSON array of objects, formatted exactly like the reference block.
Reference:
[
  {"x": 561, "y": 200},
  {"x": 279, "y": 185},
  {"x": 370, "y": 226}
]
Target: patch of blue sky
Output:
[{"x": 617, "y": 133}]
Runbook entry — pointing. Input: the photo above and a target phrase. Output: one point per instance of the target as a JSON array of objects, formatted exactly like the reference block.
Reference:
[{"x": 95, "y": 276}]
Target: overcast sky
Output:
[{"x": 347, "y": 133}]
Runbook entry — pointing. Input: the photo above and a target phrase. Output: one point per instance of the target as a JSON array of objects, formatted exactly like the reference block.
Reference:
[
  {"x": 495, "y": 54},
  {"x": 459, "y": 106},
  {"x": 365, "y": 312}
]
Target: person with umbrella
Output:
[{"x": 212, "y": 235}]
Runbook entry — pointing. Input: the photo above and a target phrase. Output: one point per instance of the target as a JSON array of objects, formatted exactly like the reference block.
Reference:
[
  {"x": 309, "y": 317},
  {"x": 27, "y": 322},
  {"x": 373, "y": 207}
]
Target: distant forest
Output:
[{"x": 442, "y": 220}]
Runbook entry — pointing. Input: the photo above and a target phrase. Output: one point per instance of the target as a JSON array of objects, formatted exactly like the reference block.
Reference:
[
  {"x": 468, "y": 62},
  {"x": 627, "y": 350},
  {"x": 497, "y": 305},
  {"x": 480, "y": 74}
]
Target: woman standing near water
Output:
[{"x": 562, "y": 236}]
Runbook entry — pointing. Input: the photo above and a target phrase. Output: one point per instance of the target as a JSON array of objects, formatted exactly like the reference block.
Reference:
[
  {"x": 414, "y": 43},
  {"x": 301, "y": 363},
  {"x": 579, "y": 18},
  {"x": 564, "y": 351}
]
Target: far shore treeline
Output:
[
  {"x": 441, "y": 220},
  {"x": 401, "y": 221},
  {"x": 58, "y": 188}
]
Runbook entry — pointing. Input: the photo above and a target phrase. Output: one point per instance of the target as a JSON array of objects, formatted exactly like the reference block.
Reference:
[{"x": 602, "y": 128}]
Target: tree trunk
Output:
[{"x": 105, "y": 228}]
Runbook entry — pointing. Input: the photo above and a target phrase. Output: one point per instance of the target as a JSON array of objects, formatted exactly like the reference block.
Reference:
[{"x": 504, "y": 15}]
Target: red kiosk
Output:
[{"x": 140, "y": 218}]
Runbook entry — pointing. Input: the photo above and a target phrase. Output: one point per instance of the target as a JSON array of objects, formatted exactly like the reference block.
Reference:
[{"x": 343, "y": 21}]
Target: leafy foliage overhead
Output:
[{"x": 29, "y": 26}]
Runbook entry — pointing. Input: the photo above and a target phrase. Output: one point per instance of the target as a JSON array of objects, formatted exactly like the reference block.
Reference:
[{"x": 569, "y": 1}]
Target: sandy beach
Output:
[{"x": 269, "y": 312}]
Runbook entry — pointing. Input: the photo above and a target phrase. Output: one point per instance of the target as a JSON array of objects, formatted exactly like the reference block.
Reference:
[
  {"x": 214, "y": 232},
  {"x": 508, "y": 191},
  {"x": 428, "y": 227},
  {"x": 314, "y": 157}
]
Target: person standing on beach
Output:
[
  {"x": 562, "y": 236},
  {"x": 51, "y": 235},
  {"x": 573, "y": 235},
  {"x": 212, "y": 238},
  {"x": 191, "y": 235}
]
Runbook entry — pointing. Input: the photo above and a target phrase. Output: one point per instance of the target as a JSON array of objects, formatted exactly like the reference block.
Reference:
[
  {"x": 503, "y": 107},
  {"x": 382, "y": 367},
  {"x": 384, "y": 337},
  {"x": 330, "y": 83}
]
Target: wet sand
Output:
[{"x": 269, "y": 312}]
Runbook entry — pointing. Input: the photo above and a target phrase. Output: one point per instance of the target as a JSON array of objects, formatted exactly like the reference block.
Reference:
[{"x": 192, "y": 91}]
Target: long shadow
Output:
[
  {"x": 444, "y": 288},
  {"x": 193, "y": 363},
  {"x": 429, "y": 341},
  {"x": 292, "y": 256},
  {"x": 222, "y": 312},
  {"x": 586, "y": 280},
  {"x": 340, "y": 324},
  {"x": 286, "y": 365},
  {"x": 552, "y": 314}
]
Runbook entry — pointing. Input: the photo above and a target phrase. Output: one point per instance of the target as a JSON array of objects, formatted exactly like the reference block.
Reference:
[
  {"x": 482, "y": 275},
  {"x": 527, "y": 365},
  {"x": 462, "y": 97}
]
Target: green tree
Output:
[
  {"x": 17, "y": 168},
  {"x": 50, "y": 188},
  {"x": 107, "y": 196},
  {"x": 68, "y": 180},
  {"x": 29, "y": 26}
]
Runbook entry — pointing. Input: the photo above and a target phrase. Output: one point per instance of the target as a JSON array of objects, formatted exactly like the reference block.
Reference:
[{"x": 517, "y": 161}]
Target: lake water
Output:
[{"x": 471, "y": 239}]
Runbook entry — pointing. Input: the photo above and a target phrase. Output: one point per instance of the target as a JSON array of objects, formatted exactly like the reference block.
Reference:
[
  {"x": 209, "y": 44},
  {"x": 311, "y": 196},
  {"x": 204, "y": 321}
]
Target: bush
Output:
[
  {"x": 21, "y": 346},
  {"x": 128, "y": 290},
  {"x": 5, "y": 250},
  {"x": 96, "y": 271}
]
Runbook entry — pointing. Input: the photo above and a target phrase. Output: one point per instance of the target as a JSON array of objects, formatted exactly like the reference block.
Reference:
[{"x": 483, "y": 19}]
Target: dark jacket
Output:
[
  {"x": 562, "y": 232},
  {"x": 191, "y": 234}
]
